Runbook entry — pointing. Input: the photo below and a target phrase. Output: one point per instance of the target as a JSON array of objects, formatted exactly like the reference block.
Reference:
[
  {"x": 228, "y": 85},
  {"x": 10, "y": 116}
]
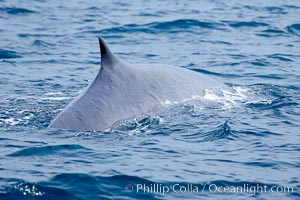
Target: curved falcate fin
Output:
[{"x": 107, "y": 57}]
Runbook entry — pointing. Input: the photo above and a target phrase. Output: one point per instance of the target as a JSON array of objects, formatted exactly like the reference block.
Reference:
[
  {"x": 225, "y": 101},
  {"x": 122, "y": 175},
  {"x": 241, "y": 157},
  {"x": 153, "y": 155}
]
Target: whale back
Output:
[{"x": 121, "y": 90}]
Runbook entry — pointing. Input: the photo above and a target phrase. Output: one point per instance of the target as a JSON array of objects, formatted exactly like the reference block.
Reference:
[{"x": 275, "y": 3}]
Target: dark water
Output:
[{"x": 246, "y": 138}]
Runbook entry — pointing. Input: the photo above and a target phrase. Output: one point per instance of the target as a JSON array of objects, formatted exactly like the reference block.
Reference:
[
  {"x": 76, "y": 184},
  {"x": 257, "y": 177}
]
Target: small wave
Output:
[
  {"x": 272, "y": 32},
  {"x": 275, "y": 9},
  {"x": 16, "y": 10},
  {"x": 260, "y": 62},
  {"x": 291, "y": 6},
  {"x": 260, "y": 134},
  {"x": 221, "y": 132},
  {"x": 282, "y": 57},
  {"x": 42, "y": 43},
  {"x": 46, "y": 150},
  {"x": 6, "y": 54},
  {"x": 180, "y": 25},
  {"x": 37, "y": 35},
  {"x": 294, "y": 28},
  {"x": 234, "y": 24},
  {"x": 184, "y": 24}
]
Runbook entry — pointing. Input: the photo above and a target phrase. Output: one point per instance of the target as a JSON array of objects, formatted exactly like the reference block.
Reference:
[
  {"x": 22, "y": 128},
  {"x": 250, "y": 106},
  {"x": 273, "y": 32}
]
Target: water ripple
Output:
[{"x": 6, "y": 54}]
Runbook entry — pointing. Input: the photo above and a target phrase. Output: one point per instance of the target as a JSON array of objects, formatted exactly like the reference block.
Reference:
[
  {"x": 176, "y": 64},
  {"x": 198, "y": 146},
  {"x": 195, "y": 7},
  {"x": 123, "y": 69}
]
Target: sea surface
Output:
[{"x": 238, "y": 144}]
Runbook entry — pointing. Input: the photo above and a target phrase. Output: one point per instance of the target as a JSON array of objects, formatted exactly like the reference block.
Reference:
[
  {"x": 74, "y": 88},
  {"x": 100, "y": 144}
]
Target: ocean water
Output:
[{"x": 240, "y": 144}]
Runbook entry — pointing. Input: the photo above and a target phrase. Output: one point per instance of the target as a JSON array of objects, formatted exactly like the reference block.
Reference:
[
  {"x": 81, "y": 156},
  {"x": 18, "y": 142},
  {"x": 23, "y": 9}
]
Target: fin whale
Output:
[{"x": 121, "y": 90}]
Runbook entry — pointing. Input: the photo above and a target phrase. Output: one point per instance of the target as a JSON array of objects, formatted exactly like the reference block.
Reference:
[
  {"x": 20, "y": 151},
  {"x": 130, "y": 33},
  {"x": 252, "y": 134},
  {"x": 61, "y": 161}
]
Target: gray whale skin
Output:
[{"x": 121, "y": 91}]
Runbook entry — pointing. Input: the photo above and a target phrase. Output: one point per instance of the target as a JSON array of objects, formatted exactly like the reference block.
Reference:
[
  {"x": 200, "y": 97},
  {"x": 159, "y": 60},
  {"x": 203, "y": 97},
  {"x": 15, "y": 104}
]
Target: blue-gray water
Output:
[{"x": 49, "y": 53}]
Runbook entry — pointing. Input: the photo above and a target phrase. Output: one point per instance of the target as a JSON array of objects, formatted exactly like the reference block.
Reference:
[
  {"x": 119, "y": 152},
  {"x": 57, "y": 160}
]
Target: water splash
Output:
[{"x": 229, "y": 98}]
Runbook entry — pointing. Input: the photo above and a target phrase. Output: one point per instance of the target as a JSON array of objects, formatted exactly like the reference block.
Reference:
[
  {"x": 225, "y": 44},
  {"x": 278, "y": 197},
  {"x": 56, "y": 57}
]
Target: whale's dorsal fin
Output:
[{"x": 107, "y": 57}]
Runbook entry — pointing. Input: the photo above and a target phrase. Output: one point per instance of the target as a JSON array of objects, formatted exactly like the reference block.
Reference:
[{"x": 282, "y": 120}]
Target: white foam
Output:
[
  {"x": 55, "y": 98},
  {"x": 53, "y": 93},
  {"x": 168, "y": 102},
  {"x": 11, "y": 121},
  {"x": 229, "y": 98}
]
